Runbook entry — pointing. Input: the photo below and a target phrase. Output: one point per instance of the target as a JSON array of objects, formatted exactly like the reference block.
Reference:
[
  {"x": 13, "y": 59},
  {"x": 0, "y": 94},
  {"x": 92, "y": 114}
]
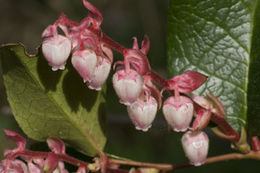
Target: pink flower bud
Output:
[
  {"x": 84, "y": 61},
  {"x": 128, "y": 85},
  {"x": 13, "y": 166},
  {"x": 56, "y": 145},
  {"x": 100, "y": 75},
  {"x": 34, "y": 168},
  {"x": 195, "y": 146},
  {"x": 51, "y": 162},
  {"x": 142, "y": 113},
  {"x": 178, "y": 112},
  {"x": 56, "y": 50}
]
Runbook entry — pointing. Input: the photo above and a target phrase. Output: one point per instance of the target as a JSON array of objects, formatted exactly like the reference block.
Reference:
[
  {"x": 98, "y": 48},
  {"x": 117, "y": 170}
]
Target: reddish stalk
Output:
[
  {"x": 108, "y": 41},
  {"x": 158, "y": 79},
  {"x": 37, "y": 154}
]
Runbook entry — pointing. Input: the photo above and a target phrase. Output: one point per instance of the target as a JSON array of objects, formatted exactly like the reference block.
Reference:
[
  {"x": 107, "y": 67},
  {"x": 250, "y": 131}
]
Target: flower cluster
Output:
[
  {"x": 134, "y": 81},
  {"x": 33, "y": 162},
  {"x": 90, "y": 57}
]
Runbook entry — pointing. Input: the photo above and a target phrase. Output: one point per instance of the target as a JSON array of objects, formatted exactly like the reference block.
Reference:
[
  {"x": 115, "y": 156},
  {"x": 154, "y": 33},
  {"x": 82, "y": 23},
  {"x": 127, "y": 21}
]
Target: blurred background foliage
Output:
[{"x": 24, "y": 20}]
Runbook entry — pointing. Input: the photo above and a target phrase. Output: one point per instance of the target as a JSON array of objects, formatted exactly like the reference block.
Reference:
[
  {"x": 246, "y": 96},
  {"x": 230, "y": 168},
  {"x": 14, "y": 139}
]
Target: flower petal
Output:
[
  {"x": 56, "y": 145},
  {"x": 187, "y": 82}
]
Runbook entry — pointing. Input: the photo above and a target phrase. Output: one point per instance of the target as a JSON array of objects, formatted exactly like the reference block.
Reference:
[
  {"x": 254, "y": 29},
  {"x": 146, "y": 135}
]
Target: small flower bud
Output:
[
  {"x": 84, "y": 61},
  {"x": 56, "y": 50},
  {"x": 100, "y": 75},
  {"x": 178, "y": 112},
  {"x": 13, "y": 166},
  {"x": 128, "y": 85},
  {"x": 195, "y": 146},
  {"x": 34, "y": 168},
  {"x": 51, "y": 162},
  {"x": 142, "y": 113}
]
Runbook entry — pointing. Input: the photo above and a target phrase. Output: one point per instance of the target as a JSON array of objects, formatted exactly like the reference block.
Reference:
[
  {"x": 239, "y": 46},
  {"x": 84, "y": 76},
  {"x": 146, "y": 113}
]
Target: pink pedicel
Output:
[
  {"x": 56, "y": 50},
  {"x": 128, "y": 85},
  {"x": 178, "y": 112},
  {"x": 195, "y": 146},
  {"x": 100, "y": 74},
  {"x": 142, "y": 113},
  {"x": 84, "y": 61}
]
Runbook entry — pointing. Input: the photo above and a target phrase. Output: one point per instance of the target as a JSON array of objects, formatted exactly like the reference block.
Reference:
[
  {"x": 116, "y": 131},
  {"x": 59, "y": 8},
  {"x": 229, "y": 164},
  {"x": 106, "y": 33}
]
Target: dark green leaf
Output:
[
  {"x": 215, "y": 38},
  {"x": 47, "y": 103}
]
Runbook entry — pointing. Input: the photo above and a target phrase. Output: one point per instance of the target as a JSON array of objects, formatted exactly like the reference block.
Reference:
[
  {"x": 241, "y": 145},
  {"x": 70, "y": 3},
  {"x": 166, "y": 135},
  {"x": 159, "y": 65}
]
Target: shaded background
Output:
[{"x": 24, "y": 20}]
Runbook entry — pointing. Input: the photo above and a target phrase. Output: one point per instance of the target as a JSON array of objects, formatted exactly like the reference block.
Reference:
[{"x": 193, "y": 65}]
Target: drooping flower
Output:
[
  {"x": 56, "y": 50},
  {"x": 178, "y": 112},
  {"x": 142, "y": 113},
  {"x": 100, "y": 74},
  {"x": 195, "y": 146},
  {"x": 128, "y": 85},
  {"x": 84, "y": 61}
]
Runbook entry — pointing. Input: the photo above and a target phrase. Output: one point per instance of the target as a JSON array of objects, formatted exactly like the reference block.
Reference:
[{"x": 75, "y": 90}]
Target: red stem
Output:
[
  {"x": 158, "y": 79},
  {"x": 62, "y": 157},
  {"x": 108, "y": 41}
]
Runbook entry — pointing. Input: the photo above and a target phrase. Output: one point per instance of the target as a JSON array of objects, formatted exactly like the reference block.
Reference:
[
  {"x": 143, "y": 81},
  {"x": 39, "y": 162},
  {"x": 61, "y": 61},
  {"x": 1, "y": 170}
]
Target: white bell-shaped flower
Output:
[
  {"x": 84, "y": 61},
  {"x": 100, "y": 74},
  {"x": 142, "y": 113},
  {"x": 128, "y": 85},
  {"x": 56, "y": 50},
  {"x": 178, "y": 112},
  {"x": 195, "y": 145}
]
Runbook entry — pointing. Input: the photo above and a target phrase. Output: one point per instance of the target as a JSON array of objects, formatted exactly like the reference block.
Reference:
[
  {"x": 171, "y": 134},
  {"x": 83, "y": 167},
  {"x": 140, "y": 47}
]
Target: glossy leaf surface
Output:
[{"x": 219, "y": 39}]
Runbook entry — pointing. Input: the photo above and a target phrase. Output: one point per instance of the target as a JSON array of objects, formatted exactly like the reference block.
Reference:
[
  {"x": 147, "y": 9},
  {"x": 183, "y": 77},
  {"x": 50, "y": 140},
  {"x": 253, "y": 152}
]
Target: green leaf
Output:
[
  {"x": 215, "y": 38},
  {"x": 47, "y": 103}
]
